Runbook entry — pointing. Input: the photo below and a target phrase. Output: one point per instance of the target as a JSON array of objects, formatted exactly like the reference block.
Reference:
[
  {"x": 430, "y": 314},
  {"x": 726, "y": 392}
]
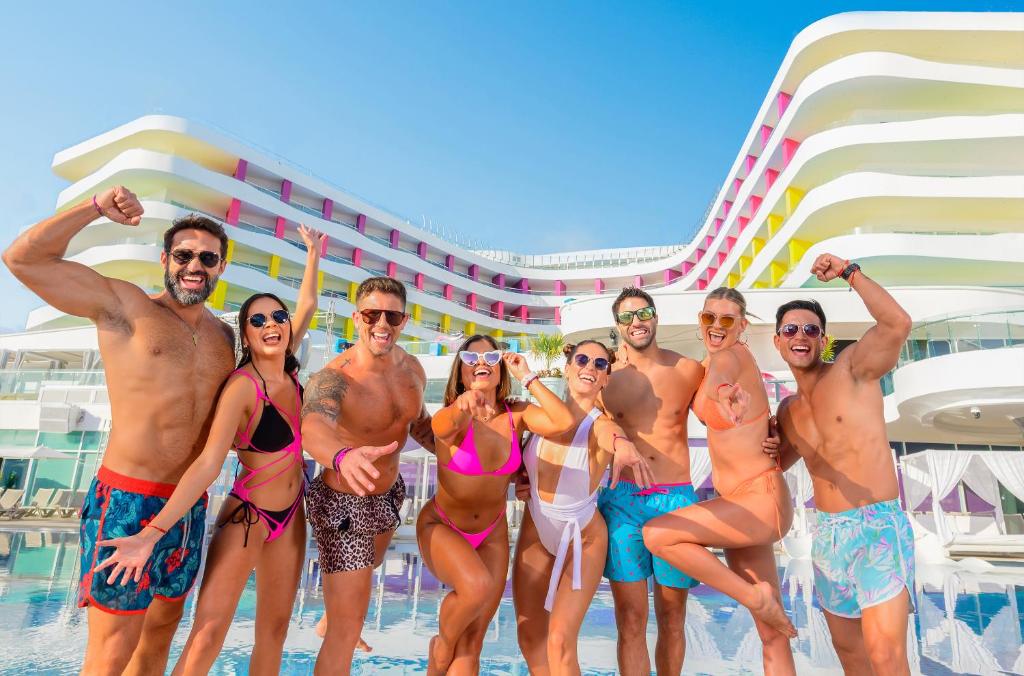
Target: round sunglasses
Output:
[
  {"x": 600, "y": 363},
  {"x": 259, "y": 320},
  {"x": 491, "y": 358},
  {"x": 393, "y": 317},
  {"x": 790, "y": 330},
  {"x": 643, "y": 314},
  {"x": 209, "y": 259},
  {"x": 707, "y": 318}
]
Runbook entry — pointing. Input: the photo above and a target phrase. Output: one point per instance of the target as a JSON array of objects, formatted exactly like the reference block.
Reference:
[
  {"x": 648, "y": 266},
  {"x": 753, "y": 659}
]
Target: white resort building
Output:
[{"x": 892, "y": 139}]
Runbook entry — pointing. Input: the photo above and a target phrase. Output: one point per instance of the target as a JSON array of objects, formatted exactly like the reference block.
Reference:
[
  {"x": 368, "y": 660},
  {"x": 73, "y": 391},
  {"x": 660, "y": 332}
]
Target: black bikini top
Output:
[{"x": 273, "y": 433}]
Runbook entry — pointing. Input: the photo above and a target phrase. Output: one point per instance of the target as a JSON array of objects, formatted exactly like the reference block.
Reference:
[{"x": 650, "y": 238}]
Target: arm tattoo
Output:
[{"x": 324, "y": 394}]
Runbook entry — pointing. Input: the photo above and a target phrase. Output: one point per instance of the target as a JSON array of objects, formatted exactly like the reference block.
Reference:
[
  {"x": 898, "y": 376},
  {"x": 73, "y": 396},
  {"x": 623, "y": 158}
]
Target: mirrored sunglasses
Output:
[
  {"x": 790, "y": 330},
  {"x": 600, "y": 363},
  {"x": 209, "y": 259},
  {"x": 259, "y": 320},
  {"x": 707, "y": 318},
  {"x": 643, "y": 314}
]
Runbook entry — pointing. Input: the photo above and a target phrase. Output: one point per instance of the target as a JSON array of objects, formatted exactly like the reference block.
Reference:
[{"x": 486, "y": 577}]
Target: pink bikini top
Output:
[{"x": 465, "y": 460}]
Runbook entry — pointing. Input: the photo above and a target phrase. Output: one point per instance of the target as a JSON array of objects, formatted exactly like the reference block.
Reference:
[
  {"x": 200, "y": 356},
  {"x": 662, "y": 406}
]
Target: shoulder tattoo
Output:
[{"x": 324, "y": 393}]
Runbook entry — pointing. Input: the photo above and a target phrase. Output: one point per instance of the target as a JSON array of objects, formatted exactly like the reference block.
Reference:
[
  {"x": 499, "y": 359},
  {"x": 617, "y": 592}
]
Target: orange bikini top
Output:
[{"x": 711, "y": 415}]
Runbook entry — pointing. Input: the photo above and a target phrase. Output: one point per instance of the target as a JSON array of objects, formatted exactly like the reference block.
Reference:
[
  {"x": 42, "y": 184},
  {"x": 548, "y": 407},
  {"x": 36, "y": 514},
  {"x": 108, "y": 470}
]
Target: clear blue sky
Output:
[{"x": 537, "y": 126}]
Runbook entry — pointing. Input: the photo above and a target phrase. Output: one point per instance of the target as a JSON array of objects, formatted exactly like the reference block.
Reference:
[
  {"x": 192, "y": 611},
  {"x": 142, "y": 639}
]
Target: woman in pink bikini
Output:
[
  {"x": 462, "y": 532},
  {"x": 261, "y": 526},
  {"x": 753, "y": 510}
]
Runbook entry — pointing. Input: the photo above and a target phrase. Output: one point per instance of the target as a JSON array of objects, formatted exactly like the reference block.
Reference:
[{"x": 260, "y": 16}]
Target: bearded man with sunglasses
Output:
[
  {"x": 863, "y": 549},
  {"x": 165, "y": 357},
  {"x": 649, "y": 397},
  {"x": 356, "y": 413}
]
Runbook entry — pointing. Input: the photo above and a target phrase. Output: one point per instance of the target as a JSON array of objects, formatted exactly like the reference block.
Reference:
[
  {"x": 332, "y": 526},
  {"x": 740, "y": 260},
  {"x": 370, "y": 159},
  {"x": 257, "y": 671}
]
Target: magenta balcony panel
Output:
[
  {"x": 737, "y": 183},
  {"x": 499, "y": 280},
  {"x": 687, "y": 266},
  {"x": 471, "y": 301},
  {"x": 721, "y": 257},
  {"x": 755, "y": 203},
  {"x": 418, "y": 279},
  {"x": 710, "y": 273},
  {"x": 702, "y": 284},
  {"x": 524, "y": 285},
  {"x": 392, "y": 269},
  {"x": 730, "y": 242},
  {"x": 241, "y": 169},
  {"x": 708, "y": 239},
  {"x": 558, "y": 315},
  {"x": 449, "y": 291},
  {"x": 671, "y": 275},
  {"x": 421, "y": 250},
  {"x": 766, "y": 133},
  {"x": 638, "y": 281},
  {"x": 789, "y": 147},
  {"x": 286, "y": 190},
  {"x": 498, "y": 309},
  {"x": 393, "y": 238},
  {"x": 279, "y": 228},
  {"x": 718, "y": 225},
  {"x": 323, "y": 246},
  {"x": 783, "y": 102},
  {"x": 232, "y": 216},
  {"x": 523, "y": 313},
  {"x": 474, "y": 270},
  {"x": 328, "y": 209},
  {"x": 748, "y": 163},
  {"x": 361, "y": 224},
  {"x": 559, "y": 287},
  {"x": 357, "y": 258},
  {"x": 700, "y": 254},
  {"x": 769, "y": 178},
  {"x": 598, "y": 286},
  {"x": 743, "y": 222},
  {"x": 726, "y": 205}
]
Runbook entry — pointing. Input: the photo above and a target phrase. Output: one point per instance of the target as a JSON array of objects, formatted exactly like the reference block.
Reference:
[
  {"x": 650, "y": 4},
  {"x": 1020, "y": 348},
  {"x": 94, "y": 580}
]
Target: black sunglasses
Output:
[
  {"x": 643, "y": 314},
  {"x": 600, "y": 363},
  {"x": 209, "y": 259},
  {"x": 790, "y": 330},
  {"x": 259, "y": 320},
  {"x": 393, "y": 317}
]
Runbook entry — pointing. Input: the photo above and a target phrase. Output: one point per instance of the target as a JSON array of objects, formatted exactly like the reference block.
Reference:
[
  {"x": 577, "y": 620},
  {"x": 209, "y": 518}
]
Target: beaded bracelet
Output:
[
  {"x": 528, "y": 380},
  {"x": 338, "y": 457}
]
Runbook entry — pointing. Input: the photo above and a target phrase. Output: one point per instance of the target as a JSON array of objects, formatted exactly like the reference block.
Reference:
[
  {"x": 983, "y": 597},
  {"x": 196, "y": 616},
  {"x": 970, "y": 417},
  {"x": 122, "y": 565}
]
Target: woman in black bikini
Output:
[{"x": 261, "y": 526}]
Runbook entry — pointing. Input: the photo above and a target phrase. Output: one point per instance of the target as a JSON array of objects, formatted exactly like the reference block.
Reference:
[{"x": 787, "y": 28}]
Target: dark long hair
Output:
[
  {"x": 291, "y": 364},
  {"x": 455, "y": 386}
]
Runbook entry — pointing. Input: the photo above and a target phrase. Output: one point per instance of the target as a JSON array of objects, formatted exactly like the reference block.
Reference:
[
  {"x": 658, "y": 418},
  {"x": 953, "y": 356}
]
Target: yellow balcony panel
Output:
[
  {"x": 231, "y": 250},
  {"x": 350, "y": 329},
  {"x": 319, "y": 282},
  {"x": 275, "y": 266},
  {"x": 774, "y": 224},
  {"x": 498, "y": 333},
  {"x": 760, "y": 285},
  {"x": 470, "y": 329},
  {"x": 352, "y": 286},
  {"x": 732, "y": 280},
  {"x": 777, "y": 271},
  {"x": 220, "y": 294},
  {"x": 797, "y": 249},
  {"x": 756, "y": 245},
  {"x": 417, "y": 313},
  {"x": 446, "y": 323},
  {"x": 793, "y": 197},
  {"x": 745, "y": 262}
]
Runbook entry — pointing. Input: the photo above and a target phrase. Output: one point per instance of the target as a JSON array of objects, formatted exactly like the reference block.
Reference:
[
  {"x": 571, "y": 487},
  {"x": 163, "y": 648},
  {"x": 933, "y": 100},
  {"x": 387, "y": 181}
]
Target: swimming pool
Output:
[{"x": 42, "y": 632}]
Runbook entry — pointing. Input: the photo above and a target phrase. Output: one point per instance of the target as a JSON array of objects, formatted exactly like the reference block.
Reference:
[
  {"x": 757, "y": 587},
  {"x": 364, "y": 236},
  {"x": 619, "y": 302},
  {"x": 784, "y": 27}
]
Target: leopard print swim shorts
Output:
[{"x": 344, "y": 524}]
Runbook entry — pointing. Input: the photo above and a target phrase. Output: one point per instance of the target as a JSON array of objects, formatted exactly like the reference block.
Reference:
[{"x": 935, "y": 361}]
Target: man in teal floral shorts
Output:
[{"x": 863, "y": 551}]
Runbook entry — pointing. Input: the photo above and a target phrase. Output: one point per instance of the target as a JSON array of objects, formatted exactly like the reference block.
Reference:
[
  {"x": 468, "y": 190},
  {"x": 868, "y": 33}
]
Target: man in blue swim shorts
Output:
[
  {"x": 648, "y": 395},
  {"x": 165, "y": 357},
  {"x": 863, "y": 550}
]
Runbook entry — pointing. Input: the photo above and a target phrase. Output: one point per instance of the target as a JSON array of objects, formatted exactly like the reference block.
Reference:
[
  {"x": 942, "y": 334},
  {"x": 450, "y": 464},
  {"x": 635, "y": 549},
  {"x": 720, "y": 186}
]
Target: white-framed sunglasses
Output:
[{"x": 490, "y": 358}]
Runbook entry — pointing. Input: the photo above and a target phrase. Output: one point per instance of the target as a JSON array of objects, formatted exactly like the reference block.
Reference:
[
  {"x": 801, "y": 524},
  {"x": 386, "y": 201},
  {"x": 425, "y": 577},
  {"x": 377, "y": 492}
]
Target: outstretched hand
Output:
[
  {"x": 625, "y": 454},
  {"x": 827, "y": 267},
  {"x": 357, "y": 469},
  {"x": 314, "y": 239},
  {"x": 120, "y": 205},
  {"x": 474, "y": 404},
  {"x": 734, "y": 402},
  {"x": 129, "y": 558}
]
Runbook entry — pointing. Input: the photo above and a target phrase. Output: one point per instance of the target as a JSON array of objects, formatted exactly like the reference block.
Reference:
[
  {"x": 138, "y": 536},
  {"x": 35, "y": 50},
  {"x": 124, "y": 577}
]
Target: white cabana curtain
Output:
[
  {"x": 982, "y": 480},
  {"x": 946, "y": 469},
  {"x": 700, "y": 465},
  {"x": 1008, "y": 468}
]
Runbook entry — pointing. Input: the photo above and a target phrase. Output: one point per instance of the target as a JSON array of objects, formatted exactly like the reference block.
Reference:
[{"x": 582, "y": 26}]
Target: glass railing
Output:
[
  {"x": 331, "y": 293},
  {"x": 269, "y": 191},
  {"x": 308, "y": 210},
  {"x": 255, "y": 228},
  {"x": 26, "y": 384},
  {"x": 294, "y": 282},
  {"x": 964, "y": 333},
  {"x": 252, "y": 266}
]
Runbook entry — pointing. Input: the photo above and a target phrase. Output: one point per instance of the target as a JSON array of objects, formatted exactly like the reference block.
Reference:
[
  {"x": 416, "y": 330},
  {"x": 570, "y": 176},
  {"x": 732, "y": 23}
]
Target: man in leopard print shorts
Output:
[{"x": 357, "y": 412}]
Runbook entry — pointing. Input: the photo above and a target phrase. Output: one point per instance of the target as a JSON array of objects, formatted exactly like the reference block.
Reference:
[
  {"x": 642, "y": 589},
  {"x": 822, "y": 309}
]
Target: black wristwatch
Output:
[{"x": 848, "y": 272}]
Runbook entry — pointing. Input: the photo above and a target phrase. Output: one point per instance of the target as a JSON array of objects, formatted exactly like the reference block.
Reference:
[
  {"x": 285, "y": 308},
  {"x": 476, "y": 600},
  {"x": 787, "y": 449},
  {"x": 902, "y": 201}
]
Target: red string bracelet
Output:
[{"x": 155, "y": 527}]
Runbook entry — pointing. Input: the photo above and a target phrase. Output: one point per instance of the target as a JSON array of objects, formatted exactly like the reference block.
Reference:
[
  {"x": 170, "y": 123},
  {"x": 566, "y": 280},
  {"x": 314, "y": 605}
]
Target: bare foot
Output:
[
  {"x": 769, "y": 610},
  {"x": 440, "y": 656},
  {"x": 321, "y": 631}
]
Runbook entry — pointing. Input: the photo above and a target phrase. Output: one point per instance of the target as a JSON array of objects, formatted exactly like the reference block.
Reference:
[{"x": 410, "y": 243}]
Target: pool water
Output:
[{"x": 968, "y": 621}]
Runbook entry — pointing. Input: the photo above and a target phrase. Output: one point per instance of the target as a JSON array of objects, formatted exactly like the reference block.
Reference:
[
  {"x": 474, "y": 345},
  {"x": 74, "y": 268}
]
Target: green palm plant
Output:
[
  {"x": 829, "y": 353},
  {"x": 547, "y": 346}
]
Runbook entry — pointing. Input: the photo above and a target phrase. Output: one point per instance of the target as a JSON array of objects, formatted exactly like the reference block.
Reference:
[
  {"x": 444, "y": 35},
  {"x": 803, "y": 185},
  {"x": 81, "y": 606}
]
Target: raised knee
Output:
[
  {"x": 476, "y": 589},
  {"x": 655, "y": 538}
]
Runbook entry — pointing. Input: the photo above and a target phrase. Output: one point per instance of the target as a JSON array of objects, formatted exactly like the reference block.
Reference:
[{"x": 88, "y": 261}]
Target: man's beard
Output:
[
  {"x": 187, "y": 296},
  {"x": 640, "y": 346}
]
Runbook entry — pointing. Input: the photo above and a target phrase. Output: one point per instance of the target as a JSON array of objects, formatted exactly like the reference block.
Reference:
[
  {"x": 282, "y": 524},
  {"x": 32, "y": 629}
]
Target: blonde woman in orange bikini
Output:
[{"x": 753, "y": 510}]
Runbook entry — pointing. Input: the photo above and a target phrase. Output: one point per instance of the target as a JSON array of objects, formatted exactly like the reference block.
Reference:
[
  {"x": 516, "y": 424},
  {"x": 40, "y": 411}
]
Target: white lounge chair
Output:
[
  {"x": 10, "y": 502},
  {"x": 41, "y": 500},
  {"x": 60, "y": 500}
]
